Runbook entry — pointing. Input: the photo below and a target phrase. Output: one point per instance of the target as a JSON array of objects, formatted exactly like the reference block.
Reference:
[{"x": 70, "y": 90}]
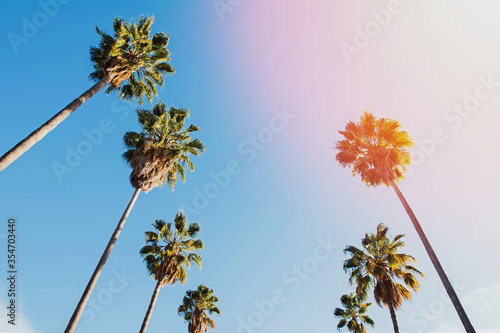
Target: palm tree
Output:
[
  {"x": 354, "y": 314},
  {"x": 168, "y": 249},
  {"x": 131, "y": 56},
  {"x": 377, "y": 151},
  {"x": 157, "y": 155},
  {"x": 195, "y": 306},
  {"x": 380, "y": 267}
]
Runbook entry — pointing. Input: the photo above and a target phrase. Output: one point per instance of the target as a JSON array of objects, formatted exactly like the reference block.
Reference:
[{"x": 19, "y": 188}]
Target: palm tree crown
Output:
[
  {"x": 157, "y": 154},
  {"x": 380, "y": 266},
  {"x": 197, "y": 307},
  {"x": 375, "y": 149},
  {"x": 171, "y": 247},
  {"x": 134, "y": 56},
  {"x": 354, "y": 314}
]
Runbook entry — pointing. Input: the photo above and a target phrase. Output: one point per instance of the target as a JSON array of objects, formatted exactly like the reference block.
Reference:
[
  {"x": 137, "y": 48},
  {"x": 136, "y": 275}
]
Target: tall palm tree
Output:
[
  {"x": 132, "y": 56},
  {"x": 354, "y": 314},
  {"x": 377, "y": 151},
  {"x": 197, "y": 307},
  {"x": 380, "y": 267},
  {"x": 157, "y": 155},
  {"x": 168, "y": 249}
]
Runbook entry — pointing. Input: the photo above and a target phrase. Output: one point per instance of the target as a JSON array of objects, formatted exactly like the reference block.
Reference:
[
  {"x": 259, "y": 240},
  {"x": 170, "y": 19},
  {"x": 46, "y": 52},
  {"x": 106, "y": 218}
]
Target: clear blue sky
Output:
[{"x": 269, "y": 84}]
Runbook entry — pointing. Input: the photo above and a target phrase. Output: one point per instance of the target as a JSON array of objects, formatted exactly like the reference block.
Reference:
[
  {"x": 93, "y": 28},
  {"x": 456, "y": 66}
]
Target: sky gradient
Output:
[{"x": 269, "y": 84}]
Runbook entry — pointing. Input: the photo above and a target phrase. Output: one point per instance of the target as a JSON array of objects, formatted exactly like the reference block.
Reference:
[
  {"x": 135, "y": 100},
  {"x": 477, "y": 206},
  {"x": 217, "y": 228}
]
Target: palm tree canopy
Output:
[
  {"x": 197, "y": 307},
  {"x": 170, "y": 248},
  {"x": 133, "y": 56},
  {"x": 380, "y": 266},
  {"x": 354, "y": 314},
  {"x": 375, "y": 149},
  {"x": 160, "y": 151}
]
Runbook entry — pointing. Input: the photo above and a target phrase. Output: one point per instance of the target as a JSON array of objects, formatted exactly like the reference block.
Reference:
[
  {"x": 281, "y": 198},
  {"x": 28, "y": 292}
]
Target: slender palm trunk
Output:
[
  {"x": 393, "y": 317},
  {"x": 93, "y": 280},
  {"x": 150, "y": 308},
  {"x": 437, "y": 265},
  {"x": 196, "y": 325},
  {"x": 43, "y": 130}
]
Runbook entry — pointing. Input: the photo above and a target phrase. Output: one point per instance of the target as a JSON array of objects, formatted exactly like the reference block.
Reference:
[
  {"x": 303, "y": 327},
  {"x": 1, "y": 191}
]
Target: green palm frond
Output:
[
  {"x": 380, "y": 267},
  {"x": 197, "y": 306},
  {"x": 160, "y": 152},
  {"x": 136, "y": 60},
  {"x": 352, "y": 315},
  {"x": 169, "y": 249}
]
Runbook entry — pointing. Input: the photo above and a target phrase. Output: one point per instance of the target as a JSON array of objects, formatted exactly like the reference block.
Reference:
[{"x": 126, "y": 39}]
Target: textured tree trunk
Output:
[
  {"x": 150, "y": 308},
  {"x": 93, "y": 280},
  {"x": 437, "y": 265},
  {"x": 43, "y": 130},
  {"x": 196, "y": 325},
  {"x": 394, "y": 320}
]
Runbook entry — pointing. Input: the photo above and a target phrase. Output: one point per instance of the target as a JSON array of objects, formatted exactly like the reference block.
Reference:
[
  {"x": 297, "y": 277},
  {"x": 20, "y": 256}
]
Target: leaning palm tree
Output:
[
  {"x": 168, "y": 249},
  {"x": 377, "y": 151},
  {"x": 380, "y": 267},
  {"x": 353, "y": 316},
  {"x": 131, "y": 62},
  {"x": 197, "y": 307},
  {"x": 157, "y": 155}
]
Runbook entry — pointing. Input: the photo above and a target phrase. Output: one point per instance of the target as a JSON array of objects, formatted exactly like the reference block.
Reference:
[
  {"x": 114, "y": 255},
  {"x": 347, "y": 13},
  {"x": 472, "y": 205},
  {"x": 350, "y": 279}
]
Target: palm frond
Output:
[
  {"x": 379, "y": 267},
  {"x": 170, "y": 248},
  {"x": 375, "y": 149},
  {"x": 160, "y": 151},
  {"x": 135, "y": 60}
]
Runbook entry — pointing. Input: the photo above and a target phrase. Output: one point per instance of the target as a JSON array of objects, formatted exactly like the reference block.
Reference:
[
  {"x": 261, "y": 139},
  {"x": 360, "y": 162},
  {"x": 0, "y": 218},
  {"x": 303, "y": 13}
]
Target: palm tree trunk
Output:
[
  {"x": 150, "y": 308},
  {"x": 437, "y": 265},
  {"x": 393, "y": 317},
  {"x": 43, "y": 130},
  {"x": 93, "y": 280}
]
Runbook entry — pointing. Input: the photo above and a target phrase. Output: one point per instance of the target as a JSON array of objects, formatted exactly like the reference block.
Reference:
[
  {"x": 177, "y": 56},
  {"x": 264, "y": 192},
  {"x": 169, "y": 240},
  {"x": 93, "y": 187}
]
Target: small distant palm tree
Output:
[
  {"x": 377, "y": 150},
  {"x": 168, "y": 249},
  {"x": 197, "y": 307},
  {"x": 353, "y": 316},
  {"x": 380, "y": 267},
  {"x": 157, "y": 155},
  {"x": 130, "y": 56}
]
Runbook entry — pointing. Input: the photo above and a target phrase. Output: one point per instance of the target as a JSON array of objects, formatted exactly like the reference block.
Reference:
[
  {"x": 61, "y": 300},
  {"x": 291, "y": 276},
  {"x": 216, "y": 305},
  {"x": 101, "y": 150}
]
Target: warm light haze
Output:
[{"x": 269, "y": 84}]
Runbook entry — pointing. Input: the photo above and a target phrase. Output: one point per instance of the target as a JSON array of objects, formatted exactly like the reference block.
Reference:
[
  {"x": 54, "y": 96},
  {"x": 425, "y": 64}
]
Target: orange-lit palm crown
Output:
[{"x": 375, "y": 149}]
